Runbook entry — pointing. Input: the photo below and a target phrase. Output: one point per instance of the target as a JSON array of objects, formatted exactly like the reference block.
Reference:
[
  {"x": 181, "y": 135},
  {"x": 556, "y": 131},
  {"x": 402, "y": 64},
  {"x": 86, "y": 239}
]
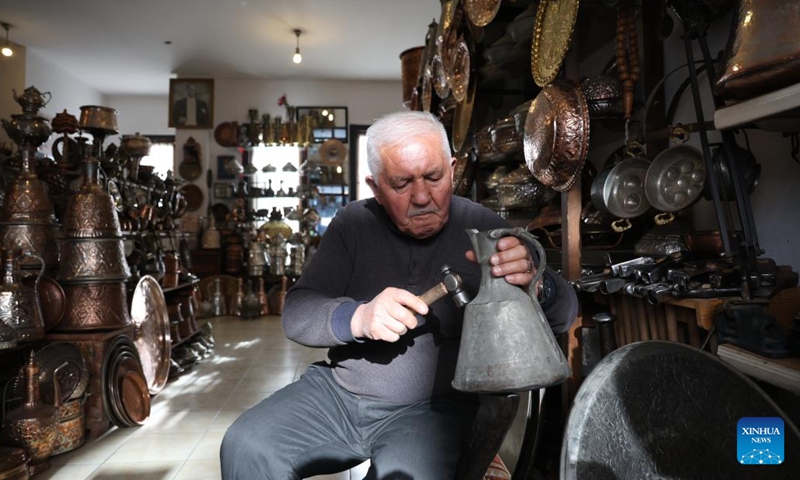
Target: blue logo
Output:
[{"x": 759, "y": 440}]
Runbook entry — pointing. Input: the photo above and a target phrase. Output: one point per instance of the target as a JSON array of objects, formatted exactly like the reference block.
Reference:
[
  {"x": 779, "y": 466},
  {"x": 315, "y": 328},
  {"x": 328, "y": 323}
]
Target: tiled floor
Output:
[{"x": 181, "y": 439}]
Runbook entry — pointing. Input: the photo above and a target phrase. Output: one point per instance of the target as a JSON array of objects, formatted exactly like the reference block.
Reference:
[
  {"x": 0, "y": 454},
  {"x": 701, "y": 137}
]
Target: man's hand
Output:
[
  {"x": 387, "y": 316},
  {"x": 512, "y": 261}
]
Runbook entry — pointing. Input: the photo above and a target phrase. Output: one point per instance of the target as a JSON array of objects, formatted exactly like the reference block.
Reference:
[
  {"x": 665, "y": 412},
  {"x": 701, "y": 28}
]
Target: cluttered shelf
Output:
[{"x": 759, "y": 108}]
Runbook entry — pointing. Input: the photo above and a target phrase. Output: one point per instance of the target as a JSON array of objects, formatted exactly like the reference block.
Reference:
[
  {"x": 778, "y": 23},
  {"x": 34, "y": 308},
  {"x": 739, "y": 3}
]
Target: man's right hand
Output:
[{"x": 387, "y": 316}]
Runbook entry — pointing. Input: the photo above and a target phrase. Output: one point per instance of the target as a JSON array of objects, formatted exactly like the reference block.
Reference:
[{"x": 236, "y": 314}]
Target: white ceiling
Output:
[{"x": 118, "y": 46}]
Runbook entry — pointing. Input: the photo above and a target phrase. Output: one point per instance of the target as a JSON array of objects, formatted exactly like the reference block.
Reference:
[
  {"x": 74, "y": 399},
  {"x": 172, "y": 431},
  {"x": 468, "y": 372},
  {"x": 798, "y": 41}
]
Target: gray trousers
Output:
[{"x": 314, "y": 427}]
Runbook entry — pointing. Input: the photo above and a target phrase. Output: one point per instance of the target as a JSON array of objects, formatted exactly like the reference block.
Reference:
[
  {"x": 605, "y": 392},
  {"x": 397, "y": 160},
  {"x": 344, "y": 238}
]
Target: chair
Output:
[{"x": 659, "y": 409}]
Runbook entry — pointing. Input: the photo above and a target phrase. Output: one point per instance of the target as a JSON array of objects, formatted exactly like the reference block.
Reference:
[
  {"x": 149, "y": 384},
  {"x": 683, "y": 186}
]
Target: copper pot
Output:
[
  {"x": 95, "y": 306},
  {"x": 91, "y": 212},
  {"x": 95, "y": 259},
  {"x": 136, "y": 145},
  {"x": 27, "y": 199},
  {"x": 71, "y": 427},
  {"x": 556, "y": 138},
  {"x": 95, "y": 117}
]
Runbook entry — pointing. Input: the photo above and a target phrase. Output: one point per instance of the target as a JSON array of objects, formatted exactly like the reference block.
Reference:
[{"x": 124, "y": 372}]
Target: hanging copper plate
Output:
[
  {"x": 463, "y": 116},
  {"x": 556, "y": 137},
  {"x": 555, "y": 21},
  {"x": 193, "y": 196},
  {"x": 226, "y": 134},
  {"x": 458, "y": 77},
  {"x": 332, "y": 152},
  {"x": 151, "y": 335},
  {"x": 427, "y": 87},
  {"x": 481, "y": 12},
  {"x": 440, "y": 78}
]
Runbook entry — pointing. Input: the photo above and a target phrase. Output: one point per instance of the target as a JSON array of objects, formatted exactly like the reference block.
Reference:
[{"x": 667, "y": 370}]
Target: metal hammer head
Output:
[{"x": 455, "y": 287}]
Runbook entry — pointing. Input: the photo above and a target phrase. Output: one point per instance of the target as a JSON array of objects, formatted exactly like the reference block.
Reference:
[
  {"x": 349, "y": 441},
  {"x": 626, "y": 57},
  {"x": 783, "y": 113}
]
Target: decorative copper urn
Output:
[
  {"x": 27, "y": 218},
  {"x": 33, "y": 425},
  {"x": 93, "y": 268}
]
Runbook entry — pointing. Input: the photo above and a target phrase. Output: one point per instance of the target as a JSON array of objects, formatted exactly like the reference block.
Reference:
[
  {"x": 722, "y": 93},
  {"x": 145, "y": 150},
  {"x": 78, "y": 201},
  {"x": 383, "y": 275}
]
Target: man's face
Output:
[
  {"x": 415, "y": 185},
  {"x": 190, "y": 90}
]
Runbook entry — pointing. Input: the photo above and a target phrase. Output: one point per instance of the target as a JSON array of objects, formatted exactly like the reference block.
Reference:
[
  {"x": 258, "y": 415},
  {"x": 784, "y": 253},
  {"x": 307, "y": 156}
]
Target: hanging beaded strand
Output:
[{"x": 627, "y": 53}]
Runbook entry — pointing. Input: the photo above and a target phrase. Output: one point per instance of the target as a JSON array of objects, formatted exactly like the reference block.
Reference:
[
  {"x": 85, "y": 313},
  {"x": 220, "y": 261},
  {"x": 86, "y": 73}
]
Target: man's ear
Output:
[{"x": 374, "y": 187}]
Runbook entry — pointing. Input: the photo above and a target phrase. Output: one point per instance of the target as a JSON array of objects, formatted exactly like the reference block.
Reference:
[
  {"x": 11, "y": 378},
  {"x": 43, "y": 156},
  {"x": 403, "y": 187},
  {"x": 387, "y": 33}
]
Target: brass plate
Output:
[
  {"x": 332, "y": 153},
  {"x": 193, "y": 195},
  {"x": 151, "y": 335},
  {"x": 463, "y": 116},
  {"x": 458, "y": 76},
  {"x": 481, "y": 12},
  {"x": 555, "y": 21}
]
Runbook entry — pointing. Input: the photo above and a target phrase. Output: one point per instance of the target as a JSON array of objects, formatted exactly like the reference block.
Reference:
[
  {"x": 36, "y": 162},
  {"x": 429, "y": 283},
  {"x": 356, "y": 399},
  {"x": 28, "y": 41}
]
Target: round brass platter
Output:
[
  {"x": 151, "y": 337},
  {"x": 555, "y": 21},
  {"x": 463, "y": 116},
  {"x": 332, "y": 152},
  {"x": 481, "y": 12}
]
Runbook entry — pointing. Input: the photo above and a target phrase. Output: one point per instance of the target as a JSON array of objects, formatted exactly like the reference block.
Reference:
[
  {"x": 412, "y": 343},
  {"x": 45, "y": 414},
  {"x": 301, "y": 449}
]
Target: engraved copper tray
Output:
[
  {"x": 556, "y": 138},
  {"x": 555, "y": 21},
  {"x": 151, "y": 334},
  {"x": 73, "y": 376},
  {"x": 463, "y": 116}
]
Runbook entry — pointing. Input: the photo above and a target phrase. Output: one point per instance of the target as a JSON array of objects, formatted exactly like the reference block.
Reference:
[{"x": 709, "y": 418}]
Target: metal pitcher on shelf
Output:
[
  {"x": 20, "y": 305},
  {"x": 506, "y": 343}
]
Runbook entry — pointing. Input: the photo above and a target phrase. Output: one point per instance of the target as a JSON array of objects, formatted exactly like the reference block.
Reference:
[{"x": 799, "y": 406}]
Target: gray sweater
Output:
[{"x": 361, "y": 254}]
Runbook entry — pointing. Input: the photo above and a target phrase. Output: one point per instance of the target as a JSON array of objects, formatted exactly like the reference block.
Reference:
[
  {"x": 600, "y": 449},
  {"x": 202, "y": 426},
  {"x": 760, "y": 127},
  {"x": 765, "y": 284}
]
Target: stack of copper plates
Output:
[{"x": 125, "y": 393}]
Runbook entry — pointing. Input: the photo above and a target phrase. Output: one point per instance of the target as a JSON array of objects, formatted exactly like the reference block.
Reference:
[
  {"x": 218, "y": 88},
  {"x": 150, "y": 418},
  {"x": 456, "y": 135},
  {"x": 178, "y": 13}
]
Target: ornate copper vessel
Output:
[
  {"x": 27, "y": 128},
  {"x": 95, "y": 306},
  {"x": 13, "y": 464},
  {"x": 90, "y": 212},
  {"x": 33, "y": 425},
  {"x": 36, "y": 238},
  {"x": 93, "y": 260},
  {"x": 20, "y": 307},
  {"x": 27, "y": 199},
  {"x": 95, "y": 118}
]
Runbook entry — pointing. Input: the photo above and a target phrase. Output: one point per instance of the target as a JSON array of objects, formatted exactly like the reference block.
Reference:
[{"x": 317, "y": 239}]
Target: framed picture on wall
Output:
[
  {"x": 191, "y": 103},
  {"x": 223, "y": 190},
  {"x": 224, "y": 170}
]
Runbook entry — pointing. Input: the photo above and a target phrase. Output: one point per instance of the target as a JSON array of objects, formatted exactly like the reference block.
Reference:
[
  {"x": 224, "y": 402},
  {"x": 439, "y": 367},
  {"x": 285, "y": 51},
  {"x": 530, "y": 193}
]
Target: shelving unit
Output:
[{"x": 758, "y": 108}]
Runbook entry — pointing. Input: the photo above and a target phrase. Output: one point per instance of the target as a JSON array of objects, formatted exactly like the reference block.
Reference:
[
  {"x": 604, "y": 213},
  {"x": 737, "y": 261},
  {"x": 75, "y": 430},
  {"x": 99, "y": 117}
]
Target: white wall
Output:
[
  {"x": 12, "y": 76},
  {"x": 146, "y": 114}
]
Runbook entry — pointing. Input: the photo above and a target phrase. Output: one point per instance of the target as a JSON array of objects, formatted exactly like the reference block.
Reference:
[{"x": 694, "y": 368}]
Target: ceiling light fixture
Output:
[
  {"x": 297, "y": 58},
  {"x": 7, "y": 51}
]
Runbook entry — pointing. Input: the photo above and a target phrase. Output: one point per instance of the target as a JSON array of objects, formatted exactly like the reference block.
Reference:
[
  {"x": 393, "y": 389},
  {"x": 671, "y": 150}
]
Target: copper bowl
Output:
[
  {"x": 136, "y": 145},
  {"x": 98, "y": 259},
  {"x": 556, "y": 137},
  {"x": 95, "y": 117},
  {"x": 95, "y": 306}
]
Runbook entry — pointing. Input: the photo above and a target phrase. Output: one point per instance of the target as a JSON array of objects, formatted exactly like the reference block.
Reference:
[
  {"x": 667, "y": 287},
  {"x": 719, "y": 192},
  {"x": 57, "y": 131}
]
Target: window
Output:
[{"x": 162, "y": 154}]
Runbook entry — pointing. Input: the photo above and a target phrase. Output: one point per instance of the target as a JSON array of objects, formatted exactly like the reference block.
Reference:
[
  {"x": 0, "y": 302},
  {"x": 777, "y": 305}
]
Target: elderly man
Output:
[{"x": 386, "y": 393}]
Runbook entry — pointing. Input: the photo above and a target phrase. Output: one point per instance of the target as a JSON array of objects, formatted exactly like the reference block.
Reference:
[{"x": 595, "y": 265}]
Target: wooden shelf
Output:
[{"x": 758, "y": 108}]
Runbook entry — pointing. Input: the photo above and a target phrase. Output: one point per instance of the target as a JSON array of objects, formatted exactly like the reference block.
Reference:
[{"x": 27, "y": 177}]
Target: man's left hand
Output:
[{"x": 512, "y": 261}]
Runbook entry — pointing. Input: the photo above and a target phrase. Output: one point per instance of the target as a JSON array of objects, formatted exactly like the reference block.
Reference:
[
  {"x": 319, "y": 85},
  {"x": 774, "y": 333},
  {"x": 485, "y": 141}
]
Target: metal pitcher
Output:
[
  {"x": 20, "y": 305},
  {"x": 506, "y": 343}
]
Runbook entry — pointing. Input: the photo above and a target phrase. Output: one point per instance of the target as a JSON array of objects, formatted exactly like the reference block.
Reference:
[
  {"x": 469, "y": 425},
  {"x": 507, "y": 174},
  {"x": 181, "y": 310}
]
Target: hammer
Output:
[{"x": 451, "y": 284}]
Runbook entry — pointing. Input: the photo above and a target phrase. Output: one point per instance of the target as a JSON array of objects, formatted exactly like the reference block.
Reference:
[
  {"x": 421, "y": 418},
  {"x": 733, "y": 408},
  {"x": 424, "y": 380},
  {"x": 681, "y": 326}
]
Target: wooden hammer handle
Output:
[{"x": 433, "y": 294}]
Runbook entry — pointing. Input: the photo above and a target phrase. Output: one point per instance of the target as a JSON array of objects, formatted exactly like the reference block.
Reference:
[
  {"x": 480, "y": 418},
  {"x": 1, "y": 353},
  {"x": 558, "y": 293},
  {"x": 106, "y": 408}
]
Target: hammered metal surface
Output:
[
  {"x": 556, "y": 138},
  {"x": 658, "y": 410},
  {"x": 93, "y": 260},
  {"x": 151, "y": 336},
  {"x": 555, "y": 20},
  {"x": 91, "y": 215},
  {"x": 95, "y": 306},
  {"x": 71, "y": 430},
  {"x": 40, "y": 239},
  {"x": 27, "y": 201},
  {"x": 675, "y": 178},
  {"x": 481, "y": 12}
]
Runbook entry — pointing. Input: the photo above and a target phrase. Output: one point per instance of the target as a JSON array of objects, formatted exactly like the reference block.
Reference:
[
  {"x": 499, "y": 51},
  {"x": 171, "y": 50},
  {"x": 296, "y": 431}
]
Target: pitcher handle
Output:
[
  {"x": 524, "y": 235},
  {"x": 37, "y": 299}
]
